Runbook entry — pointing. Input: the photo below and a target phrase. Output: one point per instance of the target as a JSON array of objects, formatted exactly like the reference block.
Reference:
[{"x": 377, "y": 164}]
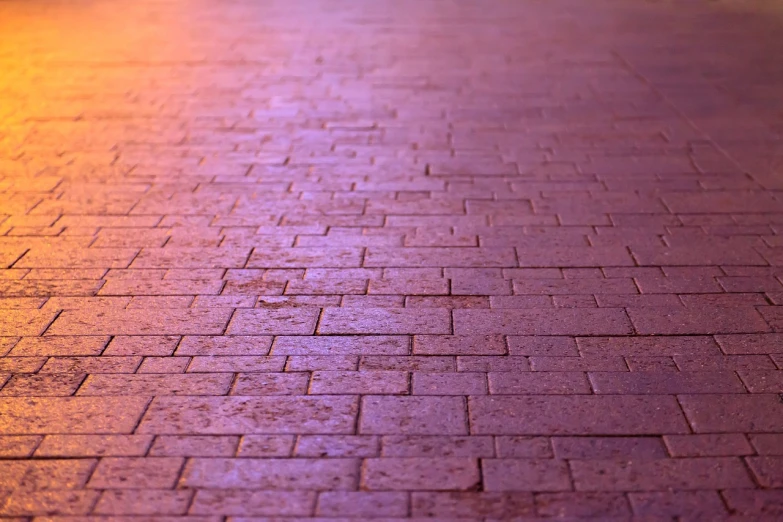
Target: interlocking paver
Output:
[{"x": 526, "y": 265}]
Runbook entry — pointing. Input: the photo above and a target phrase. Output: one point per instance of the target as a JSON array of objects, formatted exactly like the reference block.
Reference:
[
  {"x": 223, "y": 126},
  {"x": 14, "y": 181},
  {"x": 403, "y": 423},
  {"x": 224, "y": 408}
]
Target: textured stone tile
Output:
[
  {"x": 156, "y": 384},
  {"x": 70, "y": 414},
  {"x": 384, "y": 321},
  {"x": 651, "y": 475},
  {"x": 233, "y": 415},
  {"x": 384, "y": 415},
  {"x": 444, "y": 473},
  {"x": 525, "y": 475},
  {"x": 576, "y": 415},
  {"x": 141, "y": 322},
  {"x": 274, "y": 474},
  {"x": 608, "y": 321}
]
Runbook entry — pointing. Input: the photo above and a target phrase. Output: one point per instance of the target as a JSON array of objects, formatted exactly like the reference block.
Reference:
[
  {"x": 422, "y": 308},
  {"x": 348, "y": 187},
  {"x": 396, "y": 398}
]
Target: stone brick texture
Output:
[{"x": 429, "y": 260}]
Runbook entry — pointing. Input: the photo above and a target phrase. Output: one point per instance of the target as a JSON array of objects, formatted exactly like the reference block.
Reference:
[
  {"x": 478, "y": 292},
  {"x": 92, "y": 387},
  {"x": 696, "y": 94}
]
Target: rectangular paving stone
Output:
[
  {"x": 25, "y": 322},
  {"x": 167, "y": 321},
  {"x": 359, "y": 383},
  {"x": 459, "y": 345},
  {"x": 574, "y": 257},
  {"x": 384, "y": 321},
  {"x": 178, "y": 257},
  {"x": 407, "y": 474},
  {"x": 271, "y": 474},
  {"x": 239, "y": 415},
  {"x": 609, "y": 448},
  {"x": 662, "y": 383},
  {"x": 342, "y": 345},
  {"x": 684, "y": 321},
  {"x": 651, "y": 475},
  {"x": 525, "y": 475},
  {"x": 699, "y": 255},
  {"x": 455, "y": 504},
  {"x": 286, "y": 321},
  {"x": 651, "y": 346},
  {"x": 156, "y": 384},
  {"x": 576, "y": 415},
  {"x": 538, "y": 383},
  {"x": 305, "y": 257},
  {"x": 70, "y": 414},
  {"x": 94, "y": 446},
  {"x": 233, "y": 345},
  {"x": 735, "y": 413},
  {"x": 440, "y": 257},
  {"x": 248, "y": 503},
  {"x": 607, "y": 321},
  {"x": 136, "y": 473},
  {"x": 383, "y": 415}
]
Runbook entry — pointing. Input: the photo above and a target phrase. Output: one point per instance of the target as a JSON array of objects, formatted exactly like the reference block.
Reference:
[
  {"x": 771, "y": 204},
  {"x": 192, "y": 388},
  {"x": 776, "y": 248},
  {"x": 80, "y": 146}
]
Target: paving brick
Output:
[
  {"x": 608, "y": 448},
  {"x": 25, "y": 322},
  {"x": 342, "y": 345},
  {"x": 156, "y": 384},
  {"x": 538, "y": 383},
  {"x": 70, "y": 415},
  {"x": 767, "y": 443},
  {"x": 270, "y": 384},
  {"x": 436, "y": 446},
  {"x": 751, "y": 343},
  {"x": 525, "y": 475},
  {"x": 712, "y": 445},
  {"x": 359, "y": 383},
  {"x": 194, "y": 446},
  {"x": 59, "y": 346},
  {"x": 266, "y": 446},
  {"x": 32, "y": 503},
  {"x": 94, "y": 446},
  {"x": 384, "y": 321},
  {"x": 362, "y": 504},
  {"x": 413, "y": 416},
  {"x": 574, "y": 257},
  {"x": 544, "y": 346},
  {"x": 651, "y": 321},
  {"x": 197, "y": 415},
  {"x": 629, "y": 383},
  {"x": 141, "y": 322},
  {"x": 337, "y": 446},
  {"x": 596, "y": 505},
  {"x": 229, "y": 363},
  {"x": 435, "y": 474},
  {"x": 459, "y": 345},
  {"x": 576, "y": 415},
  {"x": 143, "y": 502},
  {"x": 768, "y": 470},
  {"x": 695, "y": 346},
  {"x": 685, "y": 504},
  {"x": 733, "y": 413},
  {"x": 440, "y": 257},
  {"x": 235, "y": 345},
  {"x": 754, "y": 502},
  {"x": 273, "y": 322},
  {"x": 541, "y": 322},
  {"x": 652, "y": 475},
  {"x": 243, "y": 502},
  {"x": 136, "y": 473},
  {"x": 455, "y": 504},
  {"x": 271, "y": 474}
]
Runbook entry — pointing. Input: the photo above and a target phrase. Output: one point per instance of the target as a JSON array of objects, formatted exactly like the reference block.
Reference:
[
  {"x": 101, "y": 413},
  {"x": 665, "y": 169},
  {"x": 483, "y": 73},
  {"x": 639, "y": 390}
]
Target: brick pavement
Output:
[{"x": 394, "y": 260}]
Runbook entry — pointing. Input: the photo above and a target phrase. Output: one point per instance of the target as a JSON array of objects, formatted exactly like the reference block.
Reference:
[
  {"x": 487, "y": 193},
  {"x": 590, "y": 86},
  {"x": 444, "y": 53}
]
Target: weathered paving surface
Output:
[{"x": 433, "y": 260}]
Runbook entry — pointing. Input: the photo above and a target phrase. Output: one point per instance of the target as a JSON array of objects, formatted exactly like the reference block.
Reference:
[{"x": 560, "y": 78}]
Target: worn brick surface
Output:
[{"x": 471, "y": 261}]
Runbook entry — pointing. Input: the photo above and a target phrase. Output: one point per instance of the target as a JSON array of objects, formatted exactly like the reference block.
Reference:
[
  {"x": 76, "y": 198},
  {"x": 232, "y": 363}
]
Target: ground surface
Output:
[{"x": 453, "y": 260}]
